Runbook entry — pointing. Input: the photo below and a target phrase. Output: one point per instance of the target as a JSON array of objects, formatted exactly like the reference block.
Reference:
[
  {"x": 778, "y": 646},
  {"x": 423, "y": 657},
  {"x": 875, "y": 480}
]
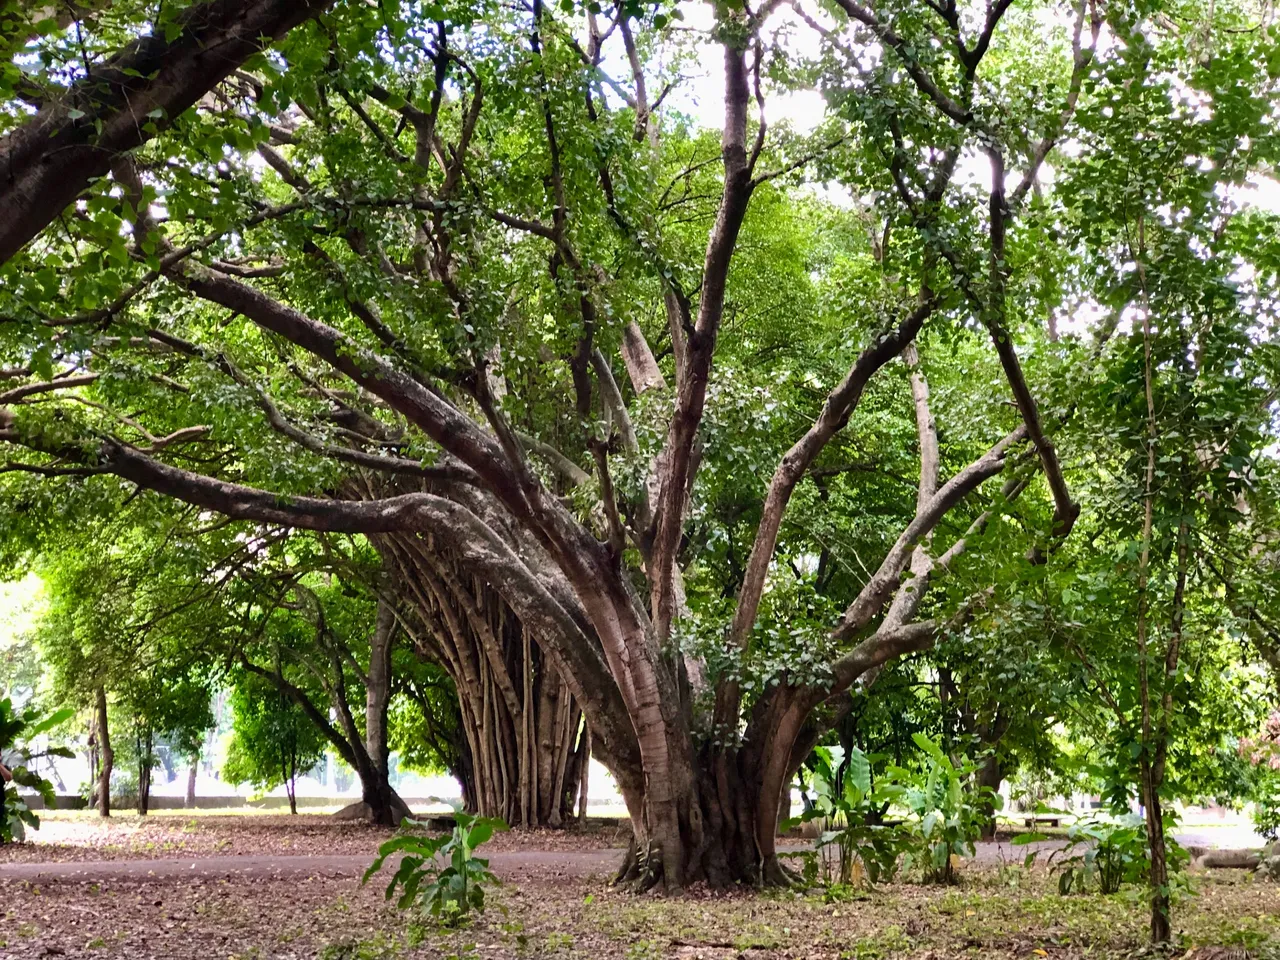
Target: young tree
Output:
[{"x": 272, "y": 740}]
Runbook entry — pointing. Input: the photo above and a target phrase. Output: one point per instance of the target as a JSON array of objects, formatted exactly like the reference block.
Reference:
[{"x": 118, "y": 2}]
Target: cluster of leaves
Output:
[
  {"x": 1104, "y": 852},
  {"x": 272, "y": 740},
  {"x": 17, "y": 731},
  {"x": 948, "y": 812},
  {"x": 943, "y": 814},
  {"x": 1262, "y": 751},
  {"x": 854, "y": 844},
  {"x": 450, "y": 890}
]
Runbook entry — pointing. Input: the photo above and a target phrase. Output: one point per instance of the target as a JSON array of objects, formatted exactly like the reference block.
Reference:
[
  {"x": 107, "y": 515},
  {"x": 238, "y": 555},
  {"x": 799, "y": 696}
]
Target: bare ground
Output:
[
  {"x": 82, "y": 836},
  {"x": 291, "y": 889}
]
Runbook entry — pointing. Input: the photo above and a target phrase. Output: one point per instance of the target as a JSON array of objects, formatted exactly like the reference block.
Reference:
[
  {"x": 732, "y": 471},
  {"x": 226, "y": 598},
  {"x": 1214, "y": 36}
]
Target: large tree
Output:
[{"x": 459, "y": 231}]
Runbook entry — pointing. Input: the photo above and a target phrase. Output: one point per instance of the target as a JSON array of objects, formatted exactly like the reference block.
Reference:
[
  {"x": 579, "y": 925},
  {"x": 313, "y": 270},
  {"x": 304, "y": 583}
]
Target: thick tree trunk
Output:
[
  {"x": 383, "y": 805},
  {"x": 718, "y": 839},
  {"x": 378, "y": 688},
  {"x": 105, "y": 752}
]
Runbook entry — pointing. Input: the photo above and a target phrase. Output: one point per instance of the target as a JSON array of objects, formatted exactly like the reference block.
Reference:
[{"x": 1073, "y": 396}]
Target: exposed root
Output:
[
  {"x": 650, "y": 868},
  {"x": 629, "y": 869},
  {"x": 1229, "y": 859},
  {"x": 360, "y": 810},
  {"x": 776, "y": 874}
]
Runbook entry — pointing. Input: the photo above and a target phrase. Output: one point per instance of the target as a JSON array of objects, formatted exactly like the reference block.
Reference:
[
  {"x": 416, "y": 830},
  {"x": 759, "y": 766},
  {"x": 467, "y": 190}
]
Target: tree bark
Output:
[
  {"x": 584, "y": 775},
  {"x": 107, "y": 755},
  {"x": 378, "y": 688},
  {"x": 76, "y": 136},
  {"x": 146, "y": 763},
  {"x": 192, "y": 773}
]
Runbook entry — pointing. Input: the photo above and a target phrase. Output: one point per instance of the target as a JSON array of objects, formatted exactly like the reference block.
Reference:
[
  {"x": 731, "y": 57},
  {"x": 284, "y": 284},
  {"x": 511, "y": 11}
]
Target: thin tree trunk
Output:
[
  {"x": 93, "y": 760},
  {"x": 527, "y": 787},
  {"x": 989, "y": 775},
  {"x": 192, "y": 773},
  {"x": 1158, "y": 880},
  {"x": 378, "y": 689},
  {"x": 107, "y": 754},
  {"x": 146, "y": 759},
  {"x": 584, "y": 771}
]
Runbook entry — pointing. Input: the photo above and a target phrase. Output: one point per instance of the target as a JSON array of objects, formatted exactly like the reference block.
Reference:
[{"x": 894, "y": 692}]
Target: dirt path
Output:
[
  {"x": 511, "y": 865},
  {"x": 518, "y": 864},
  {"x": 508, "y": 864}
]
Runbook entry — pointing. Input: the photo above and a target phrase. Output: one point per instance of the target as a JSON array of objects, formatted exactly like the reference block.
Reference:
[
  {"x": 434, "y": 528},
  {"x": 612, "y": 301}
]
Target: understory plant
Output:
[
  {"x": 1104, "y": 853},
  {"x": 947, "y": 814},
  {"x": 1263, "y": 755},
  {"x": 441, "y": 875},
  {"x": 17, "y": 730},
  {"x": 853, "y": 846}
]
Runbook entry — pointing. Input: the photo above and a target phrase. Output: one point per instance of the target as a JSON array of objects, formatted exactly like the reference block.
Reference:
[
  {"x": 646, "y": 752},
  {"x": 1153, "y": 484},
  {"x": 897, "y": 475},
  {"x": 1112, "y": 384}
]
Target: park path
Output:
[{"x": 509, "y": 864}]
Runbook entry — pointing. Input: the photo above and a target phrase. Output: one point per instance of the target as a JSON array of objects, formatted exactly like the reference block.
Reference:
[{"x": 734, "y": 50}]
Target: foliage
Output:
[
  {"x": 1104, "y": 851},
  {"x": 848, "y": 808},
  {"x": 272, "y": 741},
  {"x": 947, "y": 815},
  {"x": 451, "y": 891},
  {"x": 16, "y": 731},
  {"x": 332, "y": 295},
  {"x": 1262, "y": 752}
]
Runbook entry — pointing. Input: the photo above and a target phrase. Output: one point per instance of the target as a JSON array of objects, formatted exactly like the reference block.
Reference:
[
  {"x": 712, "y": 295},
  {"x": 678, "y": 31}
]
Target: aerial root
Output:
[
  {"x": 629, "y": 869},
  {"x": 774, "y": 873}
]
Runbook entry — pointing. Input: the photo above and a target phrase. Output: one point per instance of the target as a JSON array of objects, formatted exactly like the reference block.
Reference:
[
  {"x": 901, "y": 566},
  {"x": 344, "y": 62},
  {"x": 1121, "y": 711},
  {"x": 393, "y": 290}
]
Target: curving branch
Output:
[
  {"x": 876, "y": 592},
  {"x": 75, "y": 137},
  {"x": 836, "y": 411}
]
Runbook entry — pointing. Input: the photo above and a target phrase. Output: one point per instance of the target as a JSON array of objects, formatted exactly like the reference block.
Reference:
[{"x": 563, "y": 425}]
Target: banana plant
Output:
[
  {"x": 17, "y": 731},
  {"x": 948, "y": 817},
  {"x": 847, "y": 804}
]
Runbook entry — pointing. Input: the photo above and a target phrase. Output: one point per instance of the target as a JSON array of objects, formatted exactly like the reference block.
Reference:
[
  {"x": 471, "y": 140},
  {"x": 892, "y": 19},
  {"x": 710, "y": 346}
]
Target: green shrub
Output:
[
  {"x": 846, "y": 804},
  {"x": 1106, "y": 852},
  {"x": 448, "y": 892},
  {"x": 945, "y": 817},
  {"x": 948, "y": 817},
  {"x": 15, "y": 815}
]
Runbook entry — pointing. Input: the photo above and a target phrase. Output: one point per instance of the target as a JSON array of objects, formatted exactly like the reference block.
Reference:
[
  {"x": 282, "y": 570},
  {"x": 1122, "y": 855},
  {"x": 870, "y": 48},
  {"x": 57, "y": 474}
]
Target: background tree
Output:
[{"x": 272, "y": 740}]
